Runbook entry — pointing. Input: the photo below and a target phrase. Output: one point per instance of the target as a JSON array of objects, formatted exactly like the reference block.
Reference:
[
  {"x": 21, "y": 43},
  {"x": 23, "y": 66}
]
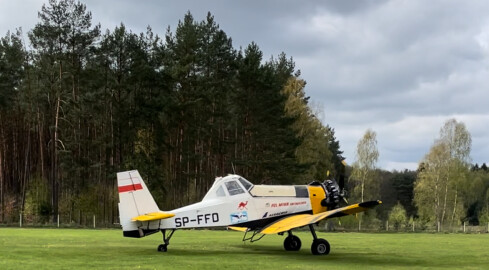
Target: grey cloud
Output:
[{"x": 399, "y": 67}]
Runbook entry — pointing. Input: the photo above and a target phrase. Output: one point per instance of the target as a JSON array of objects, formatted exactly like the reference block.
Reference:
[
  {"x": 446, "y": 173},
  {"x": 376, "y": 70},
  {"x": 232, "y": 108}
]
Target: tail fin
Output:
[{"x": 134, "y": 200}]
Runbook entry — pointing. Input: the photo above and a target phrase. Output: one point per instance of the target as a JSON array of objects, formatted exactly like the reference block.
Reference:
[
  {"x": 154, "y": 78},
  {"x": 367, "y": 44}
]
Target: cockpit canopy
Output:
[
  {"x": 233, "y": 185},
  {"x": 230, "y": 185}
]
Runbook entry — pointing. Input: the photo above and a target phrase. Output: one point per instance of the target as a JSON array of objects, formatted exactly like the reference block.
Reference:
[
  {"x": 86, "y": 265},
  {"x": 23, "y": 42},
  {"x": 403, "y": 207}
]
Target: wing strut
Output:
[{"x": 253, "y": 238}]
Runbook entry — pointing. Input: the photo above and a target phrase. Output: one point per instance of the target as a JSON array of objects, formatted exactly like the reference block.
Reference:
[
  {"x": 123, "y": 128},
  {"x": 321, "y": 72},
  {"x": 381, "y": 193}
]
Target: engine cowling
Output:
[{"x": 333, "y": 195}]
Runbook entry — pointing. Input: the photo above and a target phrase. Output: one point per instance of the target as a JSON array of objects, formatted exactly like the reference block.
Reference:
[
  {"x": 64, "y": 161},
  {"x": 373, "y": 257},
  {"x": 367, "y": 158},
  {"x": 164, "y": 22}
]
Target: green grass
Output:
[{"x": 195, "y": 249}]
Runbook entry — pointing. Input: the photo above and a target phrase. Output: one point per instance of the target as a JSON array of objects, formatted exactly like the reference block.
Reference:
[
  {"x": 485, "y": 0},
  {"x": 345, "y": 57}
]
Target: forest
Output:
[{"x": 79, "y": 104}]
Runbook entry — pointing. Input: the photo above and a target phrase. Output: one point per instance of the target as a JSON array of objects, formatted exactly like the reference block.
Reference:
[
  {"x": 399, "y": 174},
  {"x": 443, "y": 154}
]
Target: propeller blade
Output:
[
  {"x": 342, "y": 175},
  {"x": 341, "y": 183}
]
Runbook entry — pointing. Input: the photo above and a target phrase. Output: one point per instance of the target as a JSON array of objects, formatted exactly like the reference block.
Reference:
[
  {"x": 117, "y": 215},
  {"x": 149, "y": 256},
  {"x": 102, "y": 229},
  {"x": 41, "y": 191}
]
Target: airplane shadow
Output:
[{"x": 338, "y": 257}]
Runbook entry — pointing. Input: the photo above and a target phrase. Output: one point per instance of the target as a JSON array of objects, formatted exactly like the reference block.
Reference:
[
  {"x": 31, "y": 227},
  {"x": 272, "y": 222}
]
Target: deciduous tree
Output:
[
  {"x": 442, "y": 180},
  {"x": 364, "y": 167}
]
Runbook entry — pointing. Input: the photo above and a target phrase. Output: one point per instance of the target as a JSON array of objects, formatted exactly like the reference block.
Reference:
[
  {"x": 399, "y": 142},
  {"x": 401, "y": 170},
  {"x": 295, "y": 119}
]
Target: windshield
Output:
[
  {"x": 246, "y": 184},
  {"x": 234, "y": 188}
]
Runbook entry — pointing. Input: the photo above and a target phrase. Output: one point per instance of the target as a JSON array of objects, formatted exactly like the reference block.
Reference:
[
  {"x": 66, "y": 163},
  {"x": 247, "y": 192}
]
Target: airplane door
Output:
[{"x": 242, "y": 206}]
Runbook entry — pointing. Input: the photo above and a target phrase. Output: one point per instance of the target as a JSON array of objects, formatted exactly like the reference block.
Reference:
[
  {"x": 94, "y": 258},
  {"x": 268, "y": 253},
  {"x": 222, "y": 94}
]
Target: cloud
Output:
[
  {"x": 401, "y": 68},
  {"x": 18, "y": 14}
]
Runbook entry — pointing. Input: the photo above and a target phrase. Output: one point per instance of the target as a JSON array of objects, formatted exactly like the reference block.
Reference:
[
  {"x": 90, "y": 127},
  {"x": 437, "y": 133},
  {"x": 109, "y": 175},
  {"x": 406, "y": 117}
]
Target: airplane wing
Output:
[
  {"x": 296, "y": 221},
  {"x": 153, "y": 216}
]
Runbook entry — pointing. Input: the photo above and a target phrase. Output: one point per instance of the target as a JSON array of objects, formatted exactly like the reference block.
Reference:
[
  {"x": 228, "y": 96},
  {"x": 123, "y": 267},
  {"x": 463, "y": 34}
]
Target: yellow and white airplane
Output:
[{"x": 234, "y": 202}]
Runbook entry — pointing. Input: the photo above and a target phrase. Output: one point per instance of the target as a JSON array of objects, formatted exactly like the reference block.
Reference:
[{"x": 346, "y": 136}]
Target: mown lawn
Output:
[{"x": 202, "y": 249}]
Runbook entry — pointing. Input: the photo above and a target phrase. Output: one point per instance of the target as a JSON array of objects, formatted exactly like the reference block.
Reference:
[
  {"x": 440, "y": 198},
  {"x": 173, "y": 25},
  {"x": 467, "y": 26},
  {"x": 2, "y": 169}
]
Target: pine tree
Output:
[
  {"x": 61, "y": 42},
  {"x": 14, "y": 131}
]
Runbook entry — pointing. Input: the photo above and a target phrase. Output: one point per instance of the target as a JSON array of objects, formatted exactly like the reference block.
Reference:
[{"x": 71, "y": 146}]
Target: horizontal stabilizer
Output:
[
  {"x": 296, "y": 221},
  {"x": 239, "y": 229},
  {"x": 153, "y": 216}
]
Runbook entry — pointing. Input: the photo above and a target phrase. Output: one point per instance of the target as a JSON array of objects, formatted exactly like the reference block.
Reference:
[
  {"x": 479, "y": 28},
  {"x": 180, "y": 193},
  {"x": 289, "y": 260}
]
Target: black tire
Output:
[
  {"x": 320, "y": 247},
  {"x": 162, "y": 248},
  {"x": 292, "y": 243}
]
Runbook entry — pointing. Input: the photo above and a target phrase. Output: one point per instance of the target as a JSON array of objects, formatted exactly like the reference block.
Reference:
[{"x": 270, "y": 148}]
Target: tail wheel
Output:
[
  {"x": 162, "y": 248},
  {"x": 292, "y": 243},
  {"x": 320, "y": 247}
]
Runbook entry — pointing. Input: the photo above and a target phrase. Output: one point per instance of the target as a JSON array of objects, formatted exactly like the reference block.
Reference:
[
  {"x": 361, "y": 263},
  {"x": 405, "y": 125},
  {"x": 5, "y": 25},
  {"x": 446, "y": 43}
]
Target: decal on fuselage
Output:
[
  {"x": 285, "y": 204},
  {"x": 242, "y": 205},
  {"x": 266, "y": 215},
  {"x": 203, "y": 219},
  {"x": 239, "y": 217},
  {"x": 278, "y": 214}
]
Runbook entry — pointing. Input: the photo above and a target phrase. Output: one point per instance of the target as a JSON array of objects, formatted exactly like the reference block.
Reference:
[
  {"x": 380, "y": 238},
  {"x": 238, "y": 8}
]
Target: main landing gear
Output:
[
  {"x": 166, "y": 240},
  {"x": 319, "y": 246},
  {"x": 292, "y": 242}
]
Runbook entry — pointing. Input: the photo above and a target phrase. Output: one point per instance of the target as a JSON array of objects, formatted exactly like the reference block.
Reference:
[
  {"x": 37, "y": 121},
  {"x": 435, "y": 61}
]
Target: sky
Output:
[{"x": 400, "y": 68}]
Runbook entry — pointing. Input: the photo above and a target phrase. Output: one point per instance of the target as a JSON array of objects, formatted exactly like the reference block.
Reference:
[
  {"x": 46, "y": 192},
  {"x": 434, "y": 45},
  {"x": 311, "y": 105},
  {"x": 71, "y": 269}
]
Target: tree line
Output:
[
  {"x": 77, "y": 105},
  {"x": 80, "y": 105}
]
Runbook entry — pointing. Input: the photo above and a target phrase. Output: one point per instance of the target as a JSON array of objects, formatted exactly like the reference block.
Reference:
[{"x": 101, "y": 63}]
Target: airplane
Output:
[{"x": 236, "y": 203}]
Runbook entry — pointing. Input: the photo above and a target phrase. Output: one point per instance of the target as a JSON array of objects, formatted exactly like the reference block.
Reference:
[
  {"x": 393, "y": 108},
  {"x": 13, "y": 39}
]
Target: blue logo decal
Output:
[{"x": 239, "y": 217}]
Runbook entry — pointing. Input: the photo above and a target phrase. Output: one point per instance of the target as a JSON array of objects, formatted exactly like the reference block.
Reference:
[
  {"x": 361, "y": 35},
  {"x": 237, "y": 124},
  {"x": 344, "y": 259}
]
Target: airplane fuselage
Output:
[
  {"x": 233, "y": 201},
  {"x": 244, "y": 210}
]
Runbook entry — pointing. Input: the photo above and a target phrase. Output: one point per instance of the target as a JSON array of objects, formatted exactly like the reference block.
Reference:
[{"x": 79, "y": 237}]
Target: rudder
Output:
[{"x": 134, "y": 200}]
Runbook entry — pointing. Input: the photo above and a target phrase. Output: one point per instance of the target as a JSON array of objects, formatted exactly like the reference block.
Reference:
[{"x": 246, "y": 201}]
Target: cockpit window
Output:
[
  {"x": 234, "y": 188},
  {"x": 220, "y": 192},
  {"x": 246, "y": 184}
]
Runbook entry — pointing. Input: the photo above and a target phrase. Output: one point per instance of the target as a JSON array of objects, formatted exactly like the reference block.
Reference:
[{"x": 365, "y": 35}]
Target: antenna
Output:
[{"x": 232, "y": 165}]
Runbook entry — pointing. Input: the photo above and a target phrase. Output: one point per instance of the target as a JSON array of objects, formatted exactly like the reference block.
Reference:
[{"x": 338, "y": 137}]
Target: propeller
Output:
[{"x": 335, "y": 191}]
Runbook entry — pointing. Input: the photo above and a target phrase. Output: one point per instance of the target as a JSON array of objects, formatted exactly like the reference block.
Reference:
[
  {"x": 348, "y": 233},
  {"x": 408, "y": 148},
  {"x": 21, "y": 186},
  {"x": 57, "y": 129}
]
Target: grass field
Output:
[{"x": 107, "y": 249}]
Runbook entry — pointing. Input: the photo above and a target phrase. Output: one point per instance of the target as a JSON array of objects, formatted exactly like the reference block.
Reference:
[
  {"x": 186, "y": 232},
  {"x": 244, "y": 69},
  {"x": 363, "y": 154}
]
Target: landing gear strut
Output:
[
  {"x": 292, "y": 242},
  {"x": 166, "y": 240},
  {"x": 319, "y": 246}
]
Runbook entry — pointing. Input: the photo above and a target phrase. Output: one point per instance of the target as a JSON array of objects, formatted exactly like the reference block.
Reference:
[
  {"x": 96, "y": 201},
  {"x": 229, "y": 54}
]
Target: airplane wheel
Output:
[
  {"x": 320, "y": 247},
  {"x": 162, "y": 248},
  {"x": 292, "y": 243}
]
